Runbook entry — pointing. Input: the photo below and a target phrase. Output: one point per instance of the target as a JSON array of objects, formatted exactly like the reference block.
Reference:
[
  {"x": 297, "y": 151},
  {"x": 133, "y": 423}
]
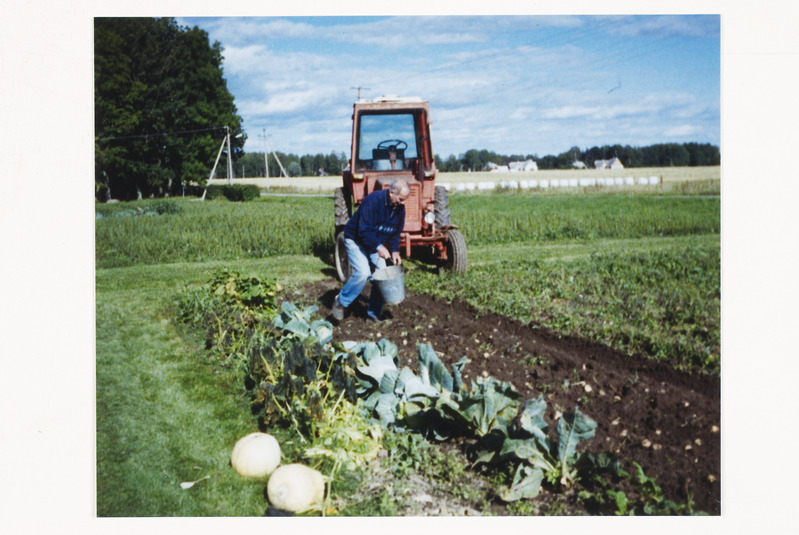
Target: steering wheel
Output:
[{"x": 392, "y": 144}]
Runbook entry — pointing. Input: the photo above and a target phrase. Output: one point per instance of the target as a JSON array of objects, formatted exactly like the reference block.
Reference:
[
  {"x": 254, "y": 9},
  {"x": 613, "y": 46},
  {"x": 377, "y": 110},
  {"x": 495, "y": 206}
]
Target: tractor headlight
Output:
[{"x": 430, "y": 218}]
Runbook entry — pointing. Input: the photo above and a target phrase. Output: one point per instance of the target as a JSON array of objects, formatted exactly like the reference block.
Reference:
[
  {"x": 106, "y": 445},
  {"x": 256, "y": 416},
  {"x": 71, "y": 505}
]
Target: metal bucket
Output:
[{"x": 391, "y": 282}]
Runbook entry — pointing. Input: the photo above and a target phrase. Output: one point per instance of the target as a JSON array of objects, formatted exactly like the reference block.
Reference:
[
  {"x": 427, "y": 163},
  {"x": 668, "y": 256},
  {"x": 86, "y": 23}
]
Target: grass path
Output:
[{"x": 166, "y": 415}]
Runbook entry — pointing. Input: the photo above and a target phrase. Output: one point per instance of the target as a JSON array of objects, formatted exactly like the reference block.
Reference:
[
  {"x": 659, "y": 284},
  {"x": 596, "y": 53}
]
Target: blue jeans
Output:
[{"x": 363, "y": 264}]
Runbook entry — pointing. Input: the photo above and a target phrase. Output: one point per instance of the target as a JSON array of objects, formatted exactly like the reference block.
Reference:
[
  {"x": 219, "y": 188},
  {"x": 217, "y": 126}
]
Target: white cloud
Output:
[
  {"x": 570, "y": 112},
  {"x": 256, "y": 59},
  {"x": 683, "y": 130},
  {"x": 523, "y": 113},
  {"x": 510, "y": 84},
  {"x": 243, "y": 60},
  {"x": 233, "y": 31},
  {"x": 702, "y": 26},
  {"x": 288, "y": 101},
  {"x": 409, "y": 32}
]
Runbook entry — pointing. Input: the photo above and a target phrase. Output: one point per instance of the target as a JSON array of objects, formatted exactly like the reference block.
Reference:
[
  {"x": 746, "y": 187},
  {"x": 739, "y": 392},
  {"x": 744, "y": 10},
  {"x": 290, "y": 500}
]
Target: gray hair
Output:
[{"x": 400, "y": 186}]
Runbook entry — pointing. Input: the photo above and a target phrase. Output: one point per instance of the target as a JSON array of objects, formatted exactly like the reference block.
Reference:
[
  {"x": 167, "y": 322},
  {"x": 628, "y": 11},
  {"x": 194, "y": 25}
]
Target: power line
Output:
[{"x": 160, "y": 134}]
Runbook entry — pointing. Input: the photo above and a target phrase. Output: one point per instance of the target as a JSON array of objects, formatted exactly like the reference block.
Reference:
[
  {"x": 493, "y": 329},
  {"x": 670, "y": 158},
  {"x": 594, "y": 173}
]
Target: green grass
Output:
[
  {"x": 640, "y": 274},
  {"x": 212, "y": 230},
  {"x": 182, "y": 230},
  {"x": 165, "y": 413},
  {"x": 509, "y": 218}
]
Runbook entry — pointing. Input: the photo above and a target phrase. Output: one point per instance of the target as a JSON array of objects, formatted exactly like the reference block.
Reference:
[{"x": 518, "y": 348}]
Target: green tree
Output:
[
  {"x": 335, "y": 163},
  {"x": 451, "y": 165},
  {"x": 471, "y": 160},
  {"x": 250, "y": 164},
  {"x": 703, "y": 154},
  {"x": 294, "y": 168},
  {"x": 161, "y": 107}
]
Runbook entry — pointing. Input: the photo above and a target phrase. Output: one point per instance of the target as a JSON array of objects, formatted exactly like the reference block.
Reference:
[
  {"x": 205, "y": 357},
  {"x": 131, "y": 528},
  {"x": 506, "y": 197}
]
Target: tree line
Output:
[
  {"x": 658, "y": 155},
  {"x": 253, "y": 164}
]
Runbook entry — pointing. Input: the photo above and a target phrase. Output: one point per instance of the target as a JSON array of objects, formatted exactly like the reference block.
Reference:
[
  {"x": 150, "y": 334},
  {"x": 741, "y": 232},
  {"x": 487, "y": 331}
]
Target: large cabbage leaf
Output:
[
  {"x": 377, "y": 367},
  {"x": 372, "y": 350},
  {"x": 322, "y": 330},
  {"x": 526, "y": 484},
  {"x": 386, "y": 408},
  {"x": 572, "y": 428},
  {"x": 432, "y": 370},
  {"x": 531, "y": 422},
  {"x": 388, "y": 383},
  {"x": 298, "y": 322},
  {"x": 490, "y": 405},
  {"x": 526, "y": 449},
  {"x": 457, "y": 378}
]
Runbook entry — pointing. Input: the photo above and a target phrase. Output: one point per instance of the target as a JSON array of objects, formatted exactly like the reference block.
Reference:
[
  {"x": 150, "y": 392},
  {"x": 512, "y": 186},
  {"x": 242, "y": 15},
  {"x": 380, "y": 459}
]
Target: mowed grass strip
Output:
[{"x": 165, "y": 413}]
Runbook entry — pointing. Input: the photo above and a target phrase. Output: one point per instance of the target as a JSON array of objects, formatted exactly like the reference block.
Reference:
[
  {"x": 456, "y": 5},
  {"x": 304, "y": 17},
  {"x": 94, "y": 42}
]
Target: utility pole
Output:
[
  {"x": 266, "y": 158},
  {"x": 359, "y": 88},
  {"x": 279, "y": 163},
  {"x": 229, "y": 157},
  {"x": 267, "y": 149},
  {"x": 216, "y": 162}
]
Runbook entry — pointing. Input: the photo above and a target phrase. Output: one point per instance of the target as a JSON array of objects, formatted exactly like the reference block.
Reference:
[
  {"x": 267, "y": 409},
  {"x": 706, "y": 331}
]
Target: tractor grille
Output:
[
  {"x": 413, "y": 205},
  {"x": 413, "y": 209}
]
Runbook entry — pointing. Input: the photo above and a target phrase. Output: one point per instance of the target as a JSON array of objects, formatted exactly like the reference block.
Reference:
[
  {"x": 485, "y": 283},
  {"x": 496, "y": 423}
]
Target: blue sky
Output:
[{"x": 511, "y": 84}]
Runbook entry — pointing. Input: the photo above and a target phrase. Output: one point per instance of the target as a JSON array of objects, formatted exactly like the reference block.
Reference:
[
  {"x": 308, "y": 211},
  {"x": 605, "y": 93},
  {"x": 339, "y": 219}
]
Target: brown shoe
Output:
[{"x": 338, "y": 310}]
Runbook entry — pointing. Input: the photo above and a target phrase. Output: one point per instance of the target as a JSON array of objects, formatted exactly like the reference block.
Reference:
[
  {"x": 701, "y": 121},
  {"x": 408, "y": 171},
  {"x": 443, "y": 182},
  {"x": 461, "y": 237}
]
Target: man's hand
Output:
[
  {"x": 396, "y": 258},
  {"x": 383, "y": 252}
]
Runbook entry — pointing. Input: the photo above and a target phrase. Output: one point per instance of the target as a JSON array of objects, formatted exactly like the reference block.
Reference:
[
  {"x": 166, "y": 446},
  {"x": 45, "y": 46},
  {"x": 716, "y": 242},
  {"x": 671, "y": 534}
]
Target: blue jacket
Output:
[{"x": 376, "y": 222}]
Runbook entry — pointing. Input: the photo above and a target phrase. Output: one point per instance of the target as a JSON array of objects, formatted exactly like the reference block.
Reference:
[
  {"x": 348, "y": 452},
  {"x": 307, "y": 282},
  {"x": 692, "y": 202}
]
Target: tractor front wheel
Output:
[
  {"x": 456, "y": 251},
  {"x": 343, "y": 269}
]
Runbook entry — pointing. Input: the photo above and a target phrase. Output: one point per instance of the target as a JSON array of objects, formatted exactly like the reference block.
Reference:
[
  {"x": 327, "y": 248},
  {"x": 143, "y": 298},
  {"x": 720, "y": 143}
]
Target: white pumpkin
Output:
[
  {"x": 256, "y": 455},
  {"x": 295, "y": 488}
]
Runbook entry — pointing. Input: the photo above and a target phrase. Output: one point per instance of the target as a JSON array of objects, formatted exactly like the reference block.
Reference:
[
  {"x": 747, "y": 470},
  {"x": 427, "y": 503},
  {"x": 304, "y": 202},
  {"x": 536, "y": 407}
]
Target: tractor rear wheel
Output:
[
  {"x": 343, "y": 208},
  {"x": 343, "y": 268},
  {"x": 456, "y": 251}
]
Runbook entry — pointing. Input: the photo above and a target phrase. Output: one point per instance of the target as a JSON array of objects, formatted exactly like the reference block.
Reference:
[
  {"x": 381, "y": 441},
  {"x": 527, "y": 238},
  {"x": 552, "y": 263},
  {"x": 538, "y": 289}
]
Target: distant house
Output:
[
  {"x": 577, "y": 164},
  {"x": 513, "y": 167},
  {"x": 613, "y": 163},
  {"x": 527, "y": 165}
]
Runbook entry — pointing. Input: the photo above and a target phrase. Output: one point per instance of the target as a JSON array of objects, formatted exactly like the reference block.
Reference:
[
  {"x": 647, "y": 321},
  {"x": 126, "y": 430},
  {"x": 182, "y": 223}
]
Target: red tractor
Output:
[{"x": 391, "y": 140}]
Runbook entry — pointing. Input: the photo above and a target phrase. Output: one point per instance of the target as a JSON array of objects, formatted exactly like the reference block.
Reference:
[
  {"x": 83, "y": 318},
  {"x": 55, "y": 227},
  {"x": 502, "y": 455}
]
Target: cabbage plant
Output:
[{"x": 437, "y": 403}]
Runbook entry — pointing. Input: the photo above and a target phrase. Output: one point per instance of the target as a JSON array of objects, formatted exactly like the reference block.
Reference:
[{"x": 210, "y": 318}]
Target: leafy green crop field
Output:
[
  {"x": 640, "y": 273},
  {"x": 159, "y": 232}
]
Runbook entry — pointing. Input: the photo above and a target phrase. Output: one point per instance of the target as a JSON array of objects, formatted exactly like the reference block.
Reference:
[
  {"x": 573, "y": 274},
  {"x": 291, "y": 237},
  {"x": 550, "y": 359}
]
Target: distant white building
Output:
[
  {"x": 527, "y": 165},
  {"x": 613, "y": 163},
  {"x": 494, "y": 168},
  {"x": 577, "y": 164},
  {"x": 513, "y": 167}
]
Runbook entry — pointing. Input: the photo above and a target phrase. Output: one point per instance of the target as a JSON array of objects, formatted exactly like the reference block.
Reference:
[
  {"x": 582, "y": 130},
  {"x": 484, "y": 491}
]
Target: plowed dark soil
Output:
[{"x": 647, "y": 412}]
